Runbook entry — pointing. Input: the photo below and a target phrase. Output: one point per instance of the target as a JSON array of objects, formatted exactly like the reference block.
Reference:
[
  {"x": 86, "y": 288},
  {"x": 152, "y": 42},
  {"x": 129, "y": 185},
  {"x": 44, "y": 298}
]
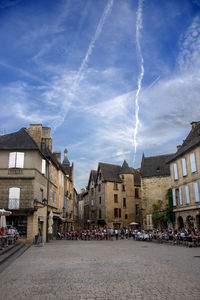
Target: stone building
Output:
[
  {"x": 92, "y": 210},
  {"x": 185, "y": 180},
  {"x": 155, "y": 182},
  {"x": 117, "y": 195},
  {"x": 32, "y": 182}
]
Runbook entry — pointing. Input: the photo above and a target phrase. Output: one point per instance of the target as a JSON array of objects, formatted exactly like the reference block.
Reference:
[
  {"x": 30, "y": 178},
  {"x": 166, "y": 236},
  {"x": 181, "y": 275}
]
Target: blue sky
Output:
[{"x": 74, "y": 65}]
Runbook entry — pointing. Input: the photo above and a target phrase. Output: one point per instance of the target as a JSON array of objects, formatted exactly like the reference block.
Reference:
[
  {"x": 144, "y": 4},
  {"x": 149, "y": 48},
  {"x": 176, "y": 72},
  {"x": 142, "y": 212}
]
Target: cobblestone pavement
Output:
[{"x": 123, "y": 269}]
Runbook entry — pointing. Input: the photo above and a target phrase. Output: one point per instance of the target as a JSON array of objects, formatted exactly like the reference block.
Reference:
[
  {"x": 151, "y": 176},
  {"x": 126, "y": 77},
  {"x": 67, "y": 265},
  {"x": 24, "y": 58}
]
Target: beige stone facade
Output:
[
  {"x": 155, "y": 182},
  {"x": 33, "y": 183},
  {"x": 113, "y": 196},
  {"x": 153, "y": 190},
  {"x": 185, "y": 180}
]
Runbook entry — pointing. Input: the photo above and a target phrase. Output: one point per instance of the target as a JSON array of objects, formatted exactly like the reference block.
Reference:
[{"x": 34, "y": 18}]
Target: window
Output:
[
  {"x": 51, "y": 196},
  {"x": 175, "y": 171},
  {"x": 115, "y": 186},
  {"x": 55, "y": 176},
  {"x": 115, "y": 198},
  {"x": 99, "y": 200},
  {"x": 180, "y": 196},
  {"x": 54, "y": 198},
  {"x": 117, "y": 212},
  {"x": 16, "y": 160},
  {"x": 136, "y": 193},
  {"x": 92, "y": 202},
  {"x": 124, "y": 202},
  {"x": 99, "y": 213},
  {"x": 14, "y": 198},
  {"x": 187, "y": 195},
  {"x": 123, "y": 187},
  {"x": 177, "y": 195},
  {"x": 92, "y": 191},
  {"x": 51, "y": 176},
  {"x": 137, "y": 209},
  {"x": 184, "y": 169},
  {"x": 126, "y": 216},
  {"x": 174, "y": 197},
  {"x": 41, "y": 195},
  {"x": 193, "y": 163},
  {"x": 99, "y": 188},
  {"x": 122, "y": 176},
  {"x": 196, "y": 191},
  {"x": 43, "y": 166}
]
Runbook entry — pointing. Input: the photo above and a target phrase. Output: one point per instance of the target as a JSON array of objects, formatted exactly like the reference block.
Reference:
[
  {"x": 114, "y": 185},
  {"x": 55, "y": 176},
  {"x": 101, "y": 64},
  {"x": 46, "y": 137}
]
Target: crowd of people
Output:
[
  {"x": 8, "y": 235},
  {"x": 189, "y": 237}
]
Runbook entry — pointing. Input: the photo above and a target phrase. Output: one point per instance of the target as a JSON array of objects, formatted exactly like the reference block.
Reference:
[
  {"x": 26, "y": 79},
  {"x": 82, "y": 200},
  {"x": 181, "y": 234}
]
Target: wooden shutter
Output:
[
  {"x": 43, "y": 166},
  {"x": 180, "y": 196},
  {"x": 12, "y": 159},
  {"x": 184, "y": 169},
  {"x": 14, "y": 197},
  {"x": 187, "y": 196},
  {"x": 20, "y": 160},
  {"x": 193, "y": 163},
  {"x": 196, "y": 191},
  {"x": 174, "y": 197},
  {"x": 175, "y": 171}
]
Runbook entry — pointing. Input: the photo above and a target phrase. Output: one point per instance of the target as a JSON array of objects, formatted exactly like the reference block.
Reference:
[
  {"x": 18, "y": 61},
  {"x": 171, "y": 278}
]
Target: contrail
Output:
[
  {"x": 92, "y": 44},
  {"x": 139, "y": 83},
  {"x": 79, "y": 74}
]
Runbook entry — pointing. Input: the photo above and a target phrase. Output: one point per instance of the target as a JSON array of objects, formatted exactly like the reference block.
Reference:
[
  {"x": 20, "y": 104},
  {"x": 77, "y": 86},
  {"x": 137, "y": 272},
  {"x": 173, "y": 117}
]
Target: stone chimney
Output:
[
  {"x": 194, "y": 124},
  {"x": 58, "y": 156},
  {"x": 178, "y": 147},
  {"x": 41, "y": 135}
]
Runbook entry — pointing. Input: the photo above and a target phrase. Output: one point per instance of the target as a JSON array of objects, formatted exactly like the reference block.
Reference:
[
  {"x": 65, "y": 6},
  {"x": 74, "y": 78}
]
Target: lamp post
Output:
[{"x": 45, "y": 202}]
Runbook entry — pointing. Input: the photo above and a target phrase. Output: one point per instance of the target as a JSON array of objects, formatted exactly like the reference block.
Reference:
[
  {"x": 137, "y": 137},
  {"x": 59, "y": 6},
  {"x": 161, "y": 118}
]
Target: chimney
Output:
[
  {"x": 178, "y": 147},
  {"x": 35, "y": 131},
  {"x": 58, "y": 156},
  {"x": 194, "y": 124}
]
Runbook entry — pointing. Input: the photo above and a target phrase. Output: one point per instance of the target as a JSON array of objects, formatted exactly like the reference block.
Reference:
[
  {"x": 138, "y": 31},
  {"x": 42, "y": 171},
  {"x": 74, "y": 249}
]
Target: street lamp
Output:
[{"x": 45, "y": 202}]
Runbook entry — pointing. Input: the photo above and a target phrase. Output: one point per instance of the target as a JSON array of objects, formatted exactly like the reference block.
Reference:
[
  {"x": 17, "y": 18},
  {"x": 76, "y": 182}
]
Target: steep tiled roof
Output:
[
  {"x": 125, "y": 169},
  {"x": 192, "y": 140},
  {"x": 110, "y": 172},
  {"x": 19, "y": 140},
  {"x": 155, "y": 166}
]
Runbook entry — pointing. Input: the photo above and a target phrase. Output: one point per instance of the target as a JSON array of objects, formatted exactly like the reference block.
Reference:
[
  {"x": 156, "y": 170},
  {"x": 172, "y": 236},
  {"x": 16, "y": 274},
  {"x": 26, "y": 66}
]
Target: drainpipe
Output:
[{"x": 47, "y": 223}]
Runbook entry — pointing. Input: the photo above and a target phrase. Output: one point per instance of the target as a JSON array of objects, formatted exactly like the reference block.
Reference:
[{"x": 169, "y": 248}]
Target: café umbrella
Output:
[
  {"x": 3, "y": 214},
  {"x": 133, "y": 223}
]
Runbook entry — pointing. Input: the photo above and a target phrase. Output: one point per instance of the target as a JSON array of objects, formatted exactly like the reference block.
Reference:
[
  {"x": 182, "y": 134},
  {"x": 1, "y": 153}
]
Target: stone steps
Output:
[{"x": 9, "y": 254}]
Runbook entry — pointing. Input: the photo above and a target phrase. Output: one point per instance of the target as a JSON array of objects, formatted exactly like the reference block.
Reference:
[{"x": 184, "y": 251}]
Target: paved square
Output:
[{"x": 123, "y": 269}]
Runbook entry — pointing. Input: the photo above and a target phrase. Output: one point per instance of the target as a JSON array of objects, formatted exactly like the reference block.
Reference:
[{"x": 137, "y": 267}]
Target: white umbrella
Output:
[
  {"x": 133, "y": 223},
  {"x": 4, "y": 212},
  {"x": 2, "y": 221}
]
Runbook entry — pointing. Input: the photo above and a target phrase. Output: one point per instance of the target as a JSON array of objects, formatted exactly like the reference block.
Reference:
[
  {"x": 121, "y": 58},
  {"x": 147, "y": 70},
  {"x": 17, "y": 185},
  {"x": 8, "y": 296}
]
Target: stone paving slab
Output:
[{"x": 103, "y": 270}]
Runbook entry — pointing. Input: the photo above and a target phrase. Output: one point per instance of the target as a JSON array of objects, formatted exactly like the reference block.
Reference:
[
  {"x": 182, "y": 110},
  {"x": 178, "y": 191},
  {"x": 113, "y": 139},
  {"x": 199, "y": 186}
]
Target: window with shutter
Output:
[
  {"x": 20, "y": 160},
  {"x": 180, "y": 196},
  {"x": 196, "y": 191},
  {"x": 43, "y": 166},
  {"x": 14, "y": 198},
  {"x": 193, "y": 163},
  {"x": 187, "y": 195},
  {"x": 184, "y": 169},
  {"x": 175, "y": 171},
  {"x": 16, "y": 160},
  {"x": 115, "y": 212},
  {"x": 174, "y": 197},
  {"x": 51, "y": 196}
]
